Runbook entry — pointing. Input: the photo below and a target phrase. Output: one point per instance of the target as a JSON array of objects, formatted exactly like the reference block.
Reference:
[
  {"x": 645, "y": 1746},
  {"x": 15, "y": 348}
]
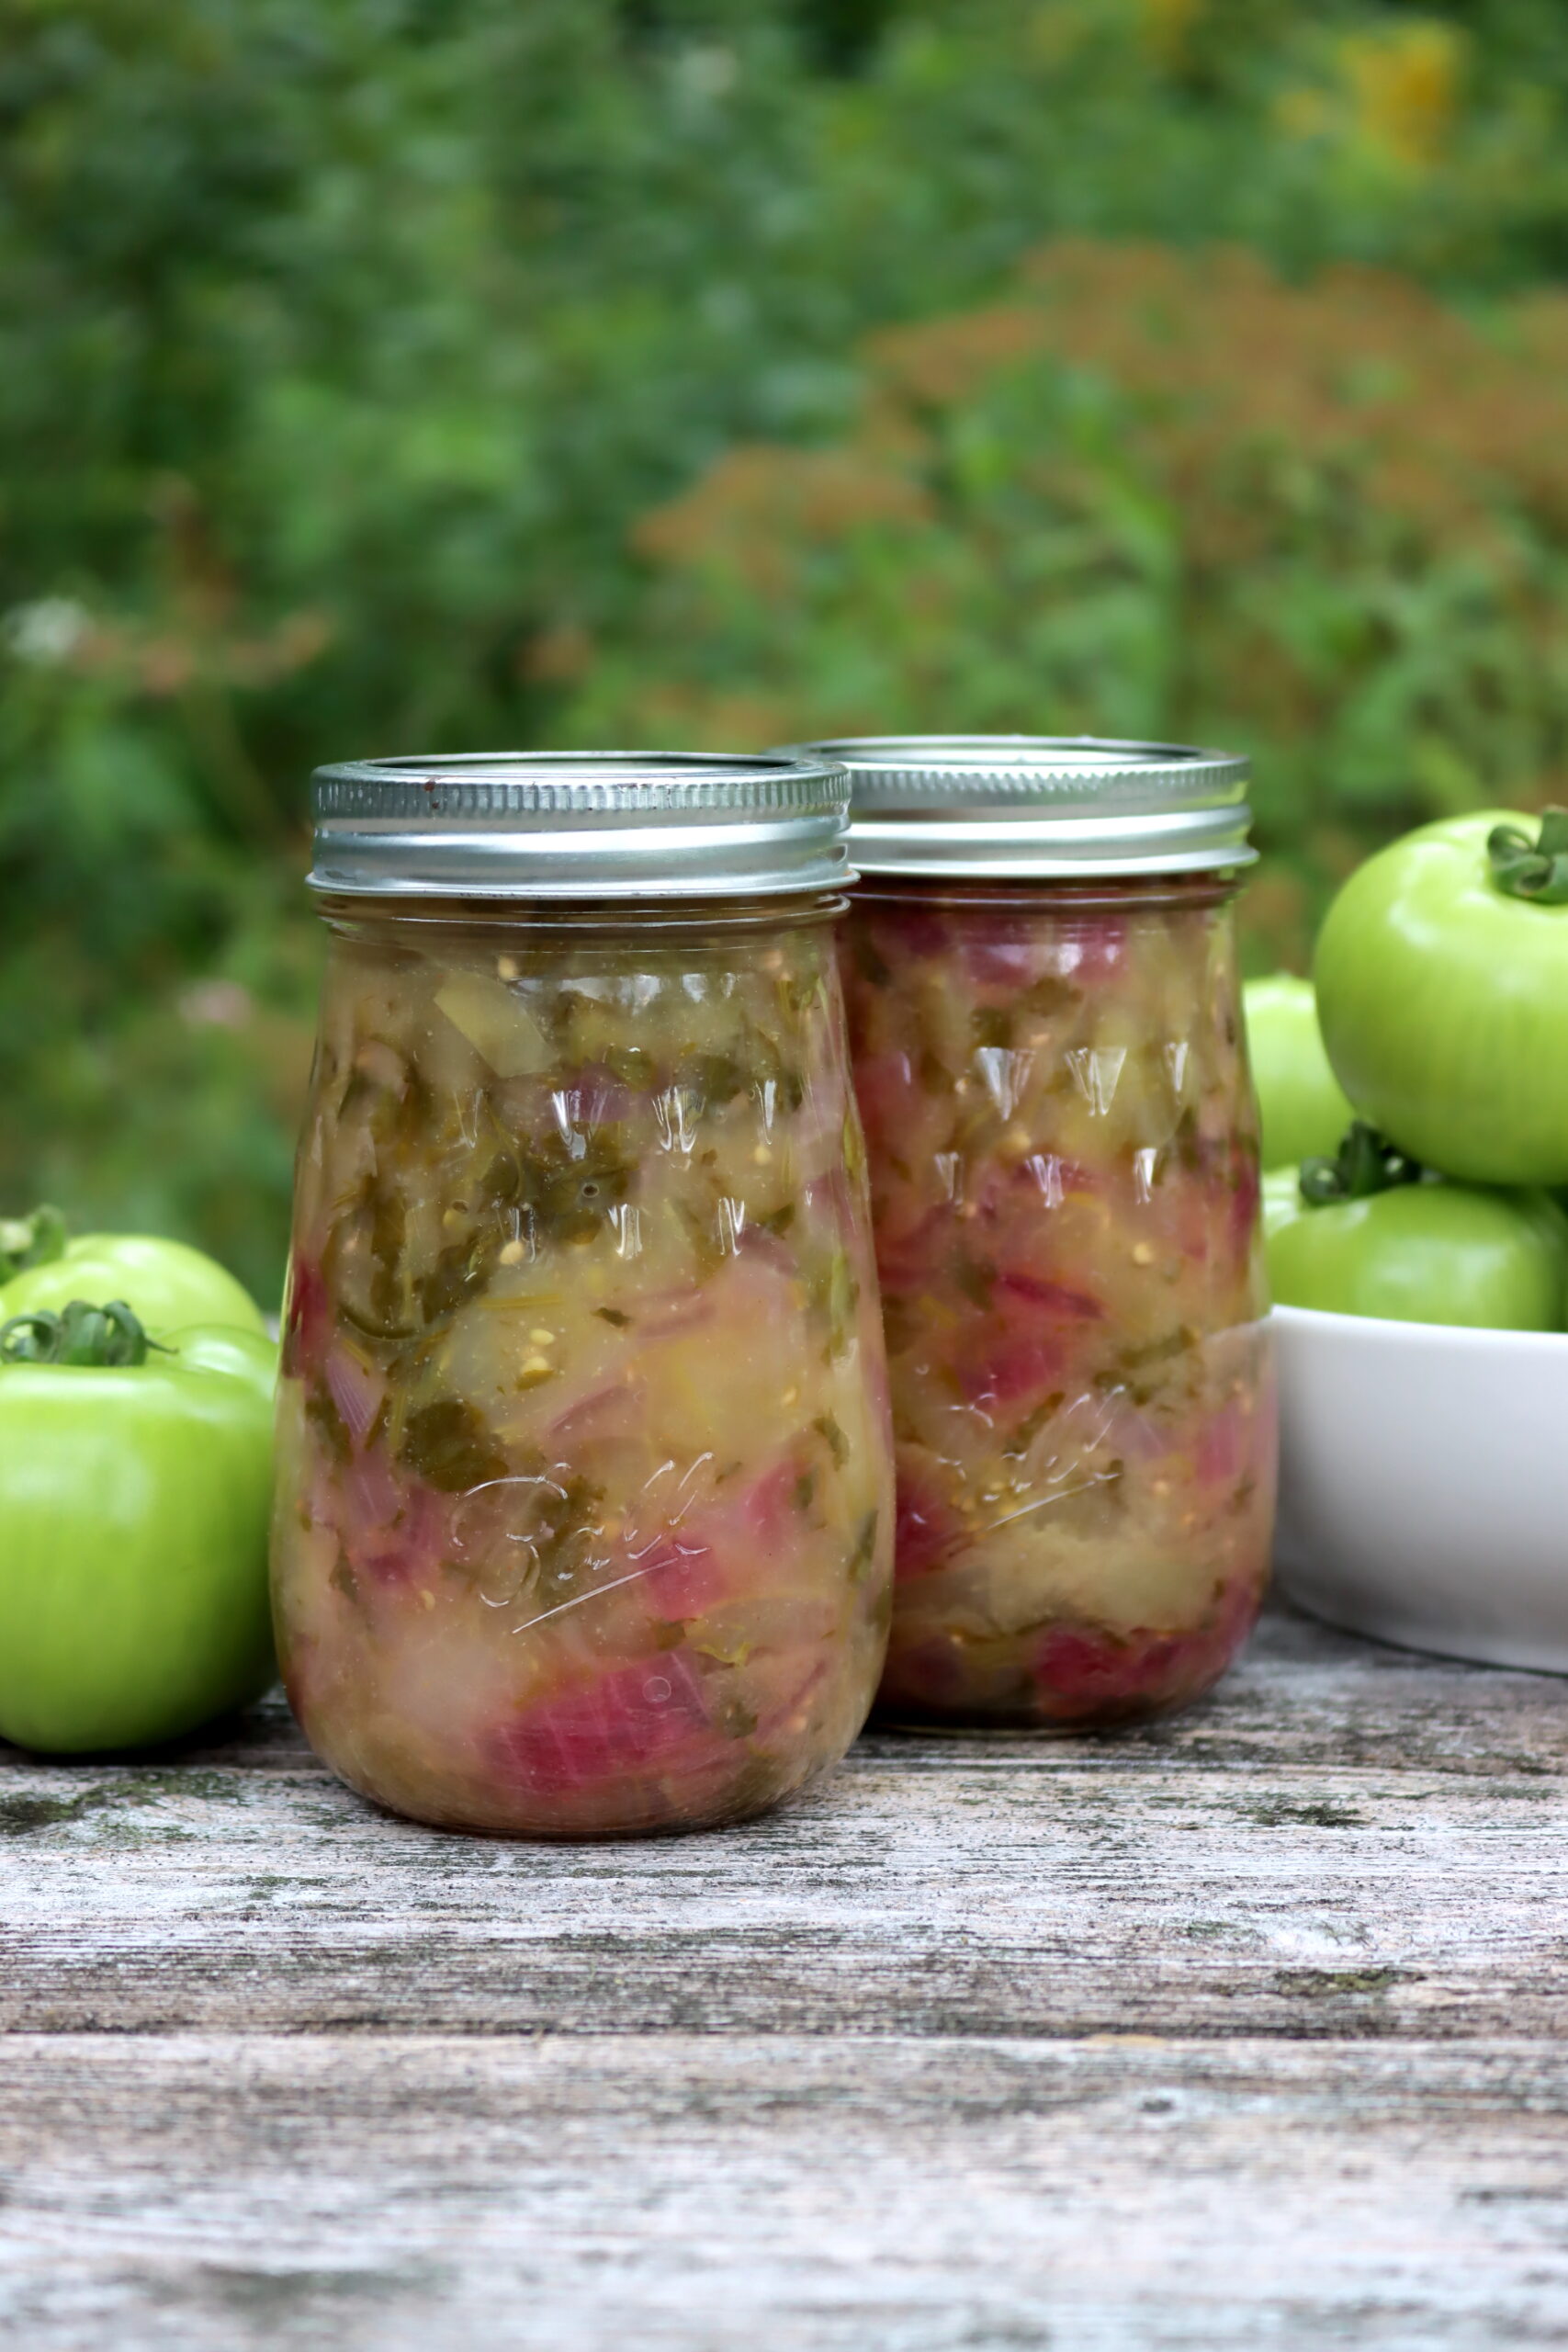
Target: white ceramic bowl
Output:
[{"x": 1423, "y": 1484}]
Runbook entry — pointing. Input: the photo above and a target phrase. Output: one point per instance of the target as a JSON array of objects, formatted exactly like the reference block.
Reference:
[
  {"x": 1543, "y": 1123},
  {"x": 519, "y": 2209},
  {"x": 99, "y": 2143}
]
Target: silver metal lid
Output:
[
  {"x": 582, "y": 825},
  {"x": 1041, "y": 807}
]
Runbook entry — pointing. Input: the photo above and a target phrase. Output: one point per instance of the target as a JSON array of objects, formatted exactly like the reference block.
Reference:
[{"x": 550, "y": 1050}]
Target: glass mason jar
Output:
[
  {"x": 1048, "y": 1047},
  {"x": 584, "y": 1515}
]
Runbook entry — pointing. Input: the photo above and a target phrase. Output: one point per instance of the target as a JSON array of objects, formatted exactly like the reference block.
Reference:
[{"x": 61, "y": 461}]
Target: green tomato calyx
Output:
[
  {"x": 110, "y": 1337},
  {"x": 1365, "y": 1163},
  {"x": 28, "y": 1241},
  {"x": 1536, "y": 870}
]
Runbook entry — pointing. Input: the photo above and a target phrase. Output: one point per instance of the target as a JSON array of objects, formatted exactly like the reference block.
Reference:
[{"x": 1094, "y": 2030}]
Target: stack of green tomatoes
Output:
[{"x": 1415, "y": 1094}]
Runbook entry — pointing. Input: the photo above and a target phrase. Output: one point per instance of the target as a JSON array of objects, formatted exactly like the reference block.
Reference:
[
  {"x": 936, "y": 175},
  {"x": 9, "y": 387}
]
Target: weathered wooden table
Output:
[{"x": 1243, "y": 2031}]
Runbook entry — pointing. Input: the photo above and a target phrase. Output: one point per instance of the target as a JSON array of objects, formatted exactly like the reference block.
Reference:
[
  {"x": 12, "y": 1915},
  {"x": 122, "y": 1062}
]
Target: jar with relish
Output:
[
  {"x": 1048, "y": 1048},
  {"x": 585, "y": 1512}
]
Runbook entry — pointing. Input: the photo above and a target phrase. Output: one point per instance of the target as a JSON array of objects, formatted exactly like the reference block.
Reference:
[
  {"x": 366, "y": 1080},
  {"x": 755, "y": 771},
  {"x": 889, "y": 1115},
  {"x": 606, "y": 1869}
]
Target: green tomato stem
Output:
[
  {"x": 1536, "y": 870},
  {"x": 110, "y": 1336},
  {"x": 1365, "y": 1163},
  {"x": 28, "y": 1241}
]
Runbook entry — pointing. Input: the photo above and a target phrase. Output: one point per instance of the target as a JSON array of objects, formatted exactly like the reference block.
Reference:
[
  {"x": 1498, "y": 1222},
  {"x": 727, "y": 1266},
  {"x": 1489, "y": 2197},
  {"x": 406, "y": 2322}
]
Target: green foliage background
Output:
[{"x": 410, "y": 374}]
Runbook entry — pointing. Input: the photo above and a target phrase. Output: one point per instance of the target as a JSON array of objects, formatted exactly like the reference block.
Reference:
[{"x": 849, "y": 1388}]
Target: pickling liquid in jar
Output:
[
  {"x": 584, "y": 1521},
  {"x": 1064, "y": 1174}
]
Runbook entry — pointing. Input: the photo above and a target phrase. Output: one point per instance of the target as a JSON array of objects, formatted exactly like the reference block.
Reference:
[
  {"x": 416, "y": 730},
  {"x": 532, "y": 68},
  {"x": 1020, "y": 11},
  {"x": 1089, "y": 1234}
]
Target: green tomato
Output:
[
  {"x": 134, "y": 1502},
  {"x": 1423, "y": 1253},
  {"x": 169, "y": 1284},
  {"x": 1443, "y": 1001},
  {"x": 1303, "y": 1106},
  {"x": 1282, "y": 1200},
  {"x": 250, "y": 1356}
]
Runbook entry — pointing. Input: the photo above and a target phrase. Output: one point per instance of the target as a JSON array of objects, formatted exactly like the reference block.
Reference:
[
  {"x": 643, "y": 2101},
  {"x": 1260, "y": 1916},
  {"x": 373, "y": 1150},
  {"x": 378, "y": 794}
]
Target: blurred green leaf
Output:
[{"x": 345, "y": 353}]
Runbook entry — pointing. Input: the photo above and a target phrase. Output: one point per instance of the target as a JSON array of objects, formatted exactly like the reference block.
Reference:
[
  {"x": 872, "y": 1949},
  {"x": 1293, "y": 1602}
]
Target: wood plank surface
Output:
[
  {"x": 1243, "y": 2030},
  {"x": 1344, "y": 1840},
  {"x": 795, "y": 2195}
]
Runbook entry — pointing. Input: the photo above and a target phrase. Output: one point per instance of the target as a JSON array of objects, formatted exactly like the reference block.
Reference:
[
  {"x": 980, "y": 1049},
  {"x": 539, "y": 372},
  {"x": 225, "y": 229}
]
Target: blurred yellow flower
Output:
[{"x": 1405, "y": 87}]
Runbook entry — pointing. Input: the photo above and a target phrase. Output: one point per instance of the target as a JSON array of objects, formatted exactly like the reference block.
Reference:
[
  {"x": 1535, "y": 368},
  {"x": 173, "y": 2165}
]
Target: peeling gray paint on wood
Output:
[{"x": 1245, "y": 2030}]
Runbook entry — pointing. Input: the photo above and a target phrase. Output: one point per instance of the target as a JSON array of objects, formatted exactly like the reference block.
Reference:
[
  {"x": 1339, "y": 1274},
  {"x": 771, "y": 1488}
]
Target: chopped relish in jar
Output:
[
  {"x": 1065, "y": 1199},
  {"x": 585, "y": 1508},
  {"x": 1064, "y": 1159}
]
